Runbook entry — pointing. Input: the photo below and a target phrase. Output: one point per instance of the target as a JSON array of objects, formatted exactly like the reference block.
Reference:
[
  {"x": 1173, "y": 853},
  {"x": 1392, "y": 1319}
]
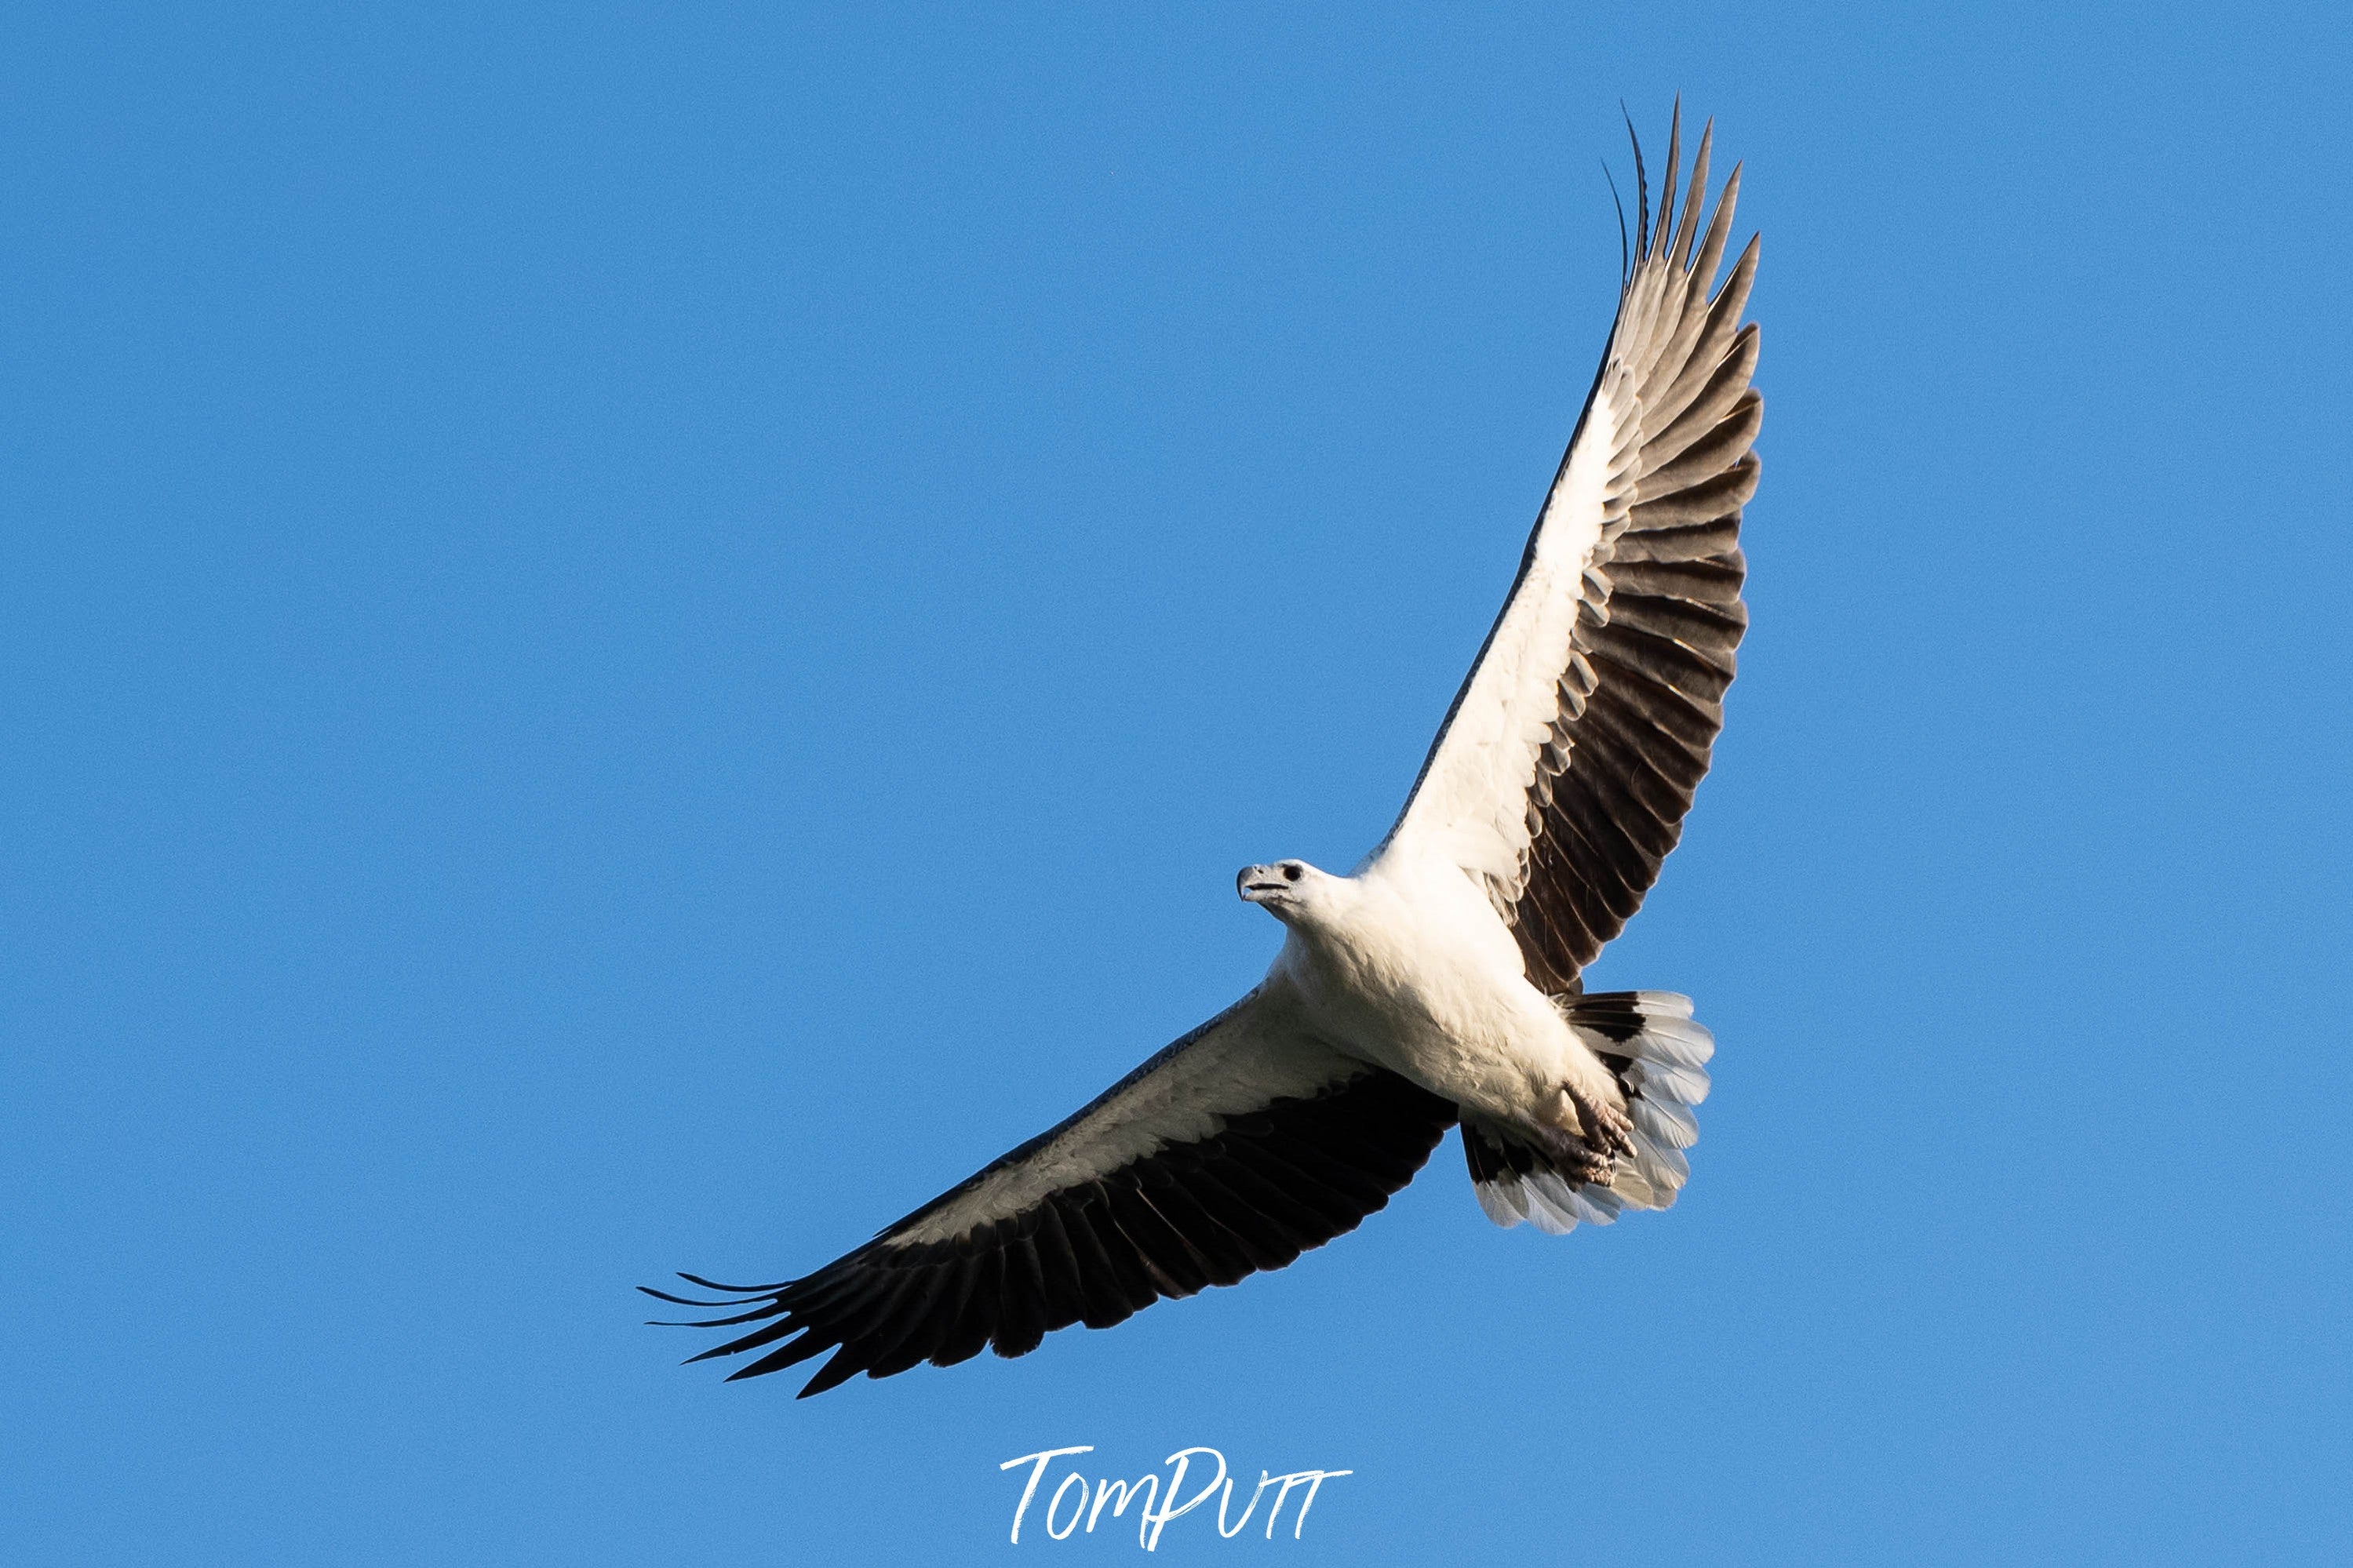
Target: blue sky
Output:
[{"x": 637, "y": 637}]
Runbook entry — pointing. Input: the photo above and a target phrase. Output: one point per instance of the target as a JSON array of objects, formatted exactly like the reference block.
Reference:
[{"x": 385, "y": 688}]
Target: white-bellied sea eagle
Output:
[{"x": 1438, "y": 983}]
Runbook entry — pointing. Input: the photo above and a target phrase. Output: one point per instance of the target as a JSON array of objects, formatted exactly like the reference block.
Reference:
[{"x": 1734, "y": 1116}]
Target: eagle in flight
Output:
[{"x": 1439, "y": 982}]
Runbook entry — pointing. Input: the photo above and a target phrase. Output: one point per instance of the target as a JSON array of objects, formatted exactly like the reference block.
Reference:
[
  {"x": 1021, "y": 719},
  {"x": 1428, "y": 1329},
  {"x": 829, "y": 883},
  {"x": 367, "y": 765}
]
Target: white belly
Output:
[{"x": 1419, "y": 974}]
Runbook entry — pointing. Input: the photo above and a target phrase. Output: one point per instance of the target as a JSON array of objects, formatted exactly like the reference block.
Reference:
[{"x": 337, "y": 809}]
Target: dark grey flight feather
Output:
[
  {"x": 1661, "y": 614},
  {"x": 1263, "y": 1188}
]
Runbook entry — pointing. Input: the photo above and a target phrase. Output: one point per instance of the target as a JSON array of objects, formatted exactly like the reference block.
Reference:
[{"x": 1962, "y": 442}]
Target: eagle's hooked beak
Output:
[{"x": 1256, "y": 884}]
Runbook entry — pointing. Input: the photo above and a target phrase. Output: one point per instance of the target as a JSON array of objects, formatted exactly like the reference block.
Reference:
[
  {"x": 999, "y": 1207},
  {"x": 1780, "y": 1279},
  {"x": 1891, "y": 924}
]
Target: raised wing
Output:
[
  {"x": 1236, "y": 1149},
  {"x": 1562, "y": 774}
]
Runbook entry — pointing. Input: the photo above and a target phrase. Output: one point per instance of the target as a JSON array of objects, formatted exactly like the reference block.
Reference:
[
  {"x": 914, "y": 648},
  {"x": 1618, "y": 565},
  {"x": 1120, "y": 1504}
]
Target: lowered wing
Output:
[{"x": 1236, "y": 1149}]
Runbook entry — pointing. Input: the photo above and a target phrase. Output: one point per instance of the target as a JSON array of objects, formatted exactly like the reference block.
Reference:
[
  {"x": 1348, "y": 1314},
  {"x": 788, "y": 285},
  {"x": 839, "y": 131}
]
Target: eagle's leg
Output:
[
  {"x": 1606, "y": 1127},
  {"x": 1582, "y": 1138},
  {"x": 1602, "y": 1131}
]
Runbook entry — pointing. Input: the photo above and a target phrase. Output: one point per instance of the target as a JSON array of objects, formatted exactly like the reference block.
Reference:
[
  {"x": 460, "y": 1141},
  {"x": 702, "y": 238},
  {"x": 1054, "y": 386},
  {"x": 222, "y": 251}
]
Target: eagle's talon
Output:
[{"x": 1607, "y": 1130}]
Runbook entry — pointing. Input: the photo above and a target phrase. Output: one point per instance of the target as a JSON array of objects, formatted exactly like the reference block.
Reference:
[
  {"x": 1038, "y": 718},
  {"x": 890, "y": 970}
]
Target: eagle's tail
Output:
[{"x": 1660, "y": 1056}]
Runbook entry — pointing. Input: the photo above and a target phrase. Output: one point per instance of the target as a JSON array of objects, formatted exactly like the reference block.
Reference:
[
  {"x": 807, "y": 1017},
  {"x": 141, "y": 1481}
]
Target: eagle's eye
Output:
[{"x": 1291, "y": 873}]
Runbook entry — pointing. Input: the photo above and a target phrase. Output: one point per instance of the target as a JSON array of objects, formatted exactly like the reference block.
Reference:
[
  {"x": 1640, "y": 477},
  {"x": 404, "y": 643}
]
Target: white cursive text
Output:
[{"x": 1069, "y": 1504}]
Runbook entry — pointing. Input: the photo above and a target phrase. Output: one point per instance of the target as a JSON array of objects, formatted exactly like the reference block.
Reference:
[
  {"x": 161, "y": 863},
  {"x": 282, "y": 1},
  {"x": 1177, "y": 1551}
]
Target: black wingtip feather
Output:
[
  {"x": 753, "y": 1316},
  {"x": 799, "y": 1351},
  {"x": 756, "y": 1339},
  {"x": 845, "y": 1365},
  {"x": 1660, "y": 233},
  {"x": 1625, "y": 257},
  {"x": 733, "y": 1289},
  {"x": 1642, "y": 186},
  {"x": 684, "y": 1300}
]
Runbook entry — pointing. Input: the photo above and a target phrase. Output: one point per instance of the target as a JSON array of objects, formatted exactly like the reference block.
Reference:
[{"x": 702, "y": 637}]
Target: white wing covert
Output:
[{"x": 1562, "y": 775}]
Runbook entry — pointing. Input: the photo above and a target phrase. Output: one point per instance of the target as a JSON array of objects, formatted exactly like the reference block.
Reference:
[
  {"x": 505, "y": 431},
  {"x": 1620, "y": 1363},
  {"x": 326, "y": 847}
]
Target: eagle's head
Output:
[{"x": 1286, "y": 888}]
